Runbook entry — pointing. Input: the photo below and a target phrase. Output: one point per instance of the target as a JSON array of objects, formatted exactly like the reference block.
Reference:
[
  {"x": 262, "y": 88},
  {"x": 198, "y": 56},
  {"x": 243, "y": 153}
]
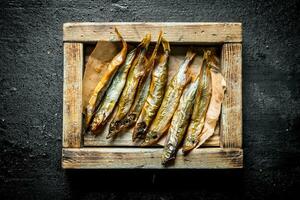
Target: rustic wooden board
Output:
[
  {"x": 225, "y": 147},
  {"x": 72, "y": 99},
  {"x": 205, "y": 33},
  {"x": 231, "y": 117},
  {"x": 149, "y": 158}
]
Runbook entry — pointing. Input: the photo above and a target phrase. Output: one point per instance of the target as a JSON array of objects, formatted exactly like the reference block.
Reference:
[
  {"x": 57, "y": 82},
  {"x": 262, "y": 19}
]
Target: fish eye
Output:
[
  {"x": 132, "y": 116},
  {"x": 154, "y": 136}
]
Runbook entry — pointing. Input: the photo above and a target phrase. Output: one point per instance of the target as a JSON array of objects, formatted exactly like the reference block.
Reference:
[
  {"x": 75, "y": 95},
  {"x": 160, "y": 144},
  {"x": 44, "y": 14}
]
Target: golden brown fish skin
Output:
[
  {"x": 156, "y": 93},
  {"x": 136, "y": 72},
  {"x": 105, "y": 80},
  {"x": 170, "y": 102},
  {"x": 142, "y": 93},
  {"x": 217, "y": 97},
  {"x": 179, "y": 122},
  {"x": 202, "y": 101},
  {"x": 112, "y": 94},
  {"x": 143, "y": 90}
]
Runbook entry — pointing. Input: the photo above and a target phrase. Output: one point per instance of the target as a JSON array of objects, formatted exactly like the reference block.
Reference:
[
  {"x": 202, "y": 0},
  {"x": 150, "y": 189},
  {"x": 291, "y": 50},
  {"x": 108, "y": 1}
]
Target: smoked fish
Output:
[
  {"x": 156, "y": 93},
  {"x": 214, "y": 109},
  {"x": 105, "y": 80},
  {"x": 142, "y": 93},
  {"x": 180, "y": 122},
  {"x": 202, "y": 100},
  {"x": 112, "y": 94},
  {"x": 136, "y": 72},
  {"x": 170, "y": 101}
]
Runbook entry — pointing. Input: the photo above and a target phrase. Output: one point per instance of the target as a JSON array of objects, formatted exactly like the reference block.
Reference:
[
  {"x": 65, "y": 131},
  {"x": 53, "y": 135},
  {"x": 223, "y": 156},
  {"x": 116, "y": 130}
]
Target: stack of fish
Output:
[{"x": 186, "y": 110}]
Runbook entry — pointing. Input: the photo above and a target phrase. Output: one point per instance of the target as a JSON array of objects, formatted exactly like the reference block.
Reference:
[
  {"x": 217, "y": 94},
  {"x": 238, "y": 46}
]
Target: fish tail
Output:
[
  {"x": 146, "y": 41},
  {"x": 156, "y": 46},
  {"x": 120, "y": 37},
  {"x": 203, "y": 69},
  {"x": 190, "y": 54},
  {"x": 166, "y": 45},
  {"x": 212, "y": 61},
  {"x": 206, "y": 54}
]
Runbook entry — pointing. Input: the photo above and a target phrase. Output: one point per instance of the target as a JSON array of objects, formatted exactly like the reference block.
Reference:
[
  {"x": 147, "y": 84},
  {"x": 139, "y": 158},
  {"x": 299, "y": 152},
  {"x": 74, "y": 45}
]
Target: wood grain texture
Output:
[
  {"x": 122, "y": 153},
  {"x": 149, "y": 158},
  {"x": 72, "y": 98},
  {"x": 231, "y": 117},
  {"x": 174, "y": 32}
]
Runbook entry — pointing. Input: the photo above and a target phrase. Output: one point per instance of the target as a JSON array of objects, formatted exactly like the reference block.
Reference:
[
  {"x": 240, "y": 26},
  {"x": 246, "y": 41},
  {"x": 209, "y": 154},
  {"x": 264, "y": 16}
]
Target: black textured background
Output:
[{"x": 31, "y": 66}]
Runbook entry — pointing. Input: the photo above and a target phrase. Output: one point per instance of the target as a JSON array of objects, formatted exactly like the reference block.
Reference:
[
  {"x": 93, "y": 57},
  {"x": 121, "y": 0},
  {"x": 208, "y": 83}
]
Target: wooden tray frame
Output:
[{"x": 230, "y": 152}]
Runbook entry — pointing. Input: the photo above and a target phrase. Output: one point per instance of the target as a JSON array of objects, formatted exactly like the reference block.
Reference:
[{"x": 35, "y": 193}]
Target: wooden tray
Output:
[{"x": 223, "y": 150}]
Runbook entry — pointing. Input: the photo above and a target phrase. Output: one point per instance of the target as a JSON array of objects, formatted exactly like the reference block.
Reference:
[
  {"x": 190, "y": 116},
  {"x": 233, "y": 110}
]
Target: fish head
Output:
[
  {"x": 151, "y": 138},
  {"x": 139, "y": 131},
  {"x": 189, "y": 144},
  {"x": 120, "y": 125},
  {"x": 113, "y": 129},
  {"x": 97, "y": 122},
  {"x": 128, "y": 121},
  {"x": 93, "y": 126},
  {"x": 168, "y": 154}
]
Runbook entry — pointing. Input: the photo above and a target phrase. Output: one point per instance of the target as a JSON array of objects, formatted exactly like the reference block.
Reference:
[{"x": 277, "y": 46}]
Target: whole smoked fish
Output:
[
  {"x": 217, "y": 97},
  {"x": 180, "y": 122},
  {"x": 202, "y": 100},
  {"x": 143, "y": 91},
  {"x": 156, "y": 93},
  {"x": 105, "y": 80},
  {"x": 170, "y": 102},
  {"x": 112, "y": 95},
  {"x": 136, "y": 72}
]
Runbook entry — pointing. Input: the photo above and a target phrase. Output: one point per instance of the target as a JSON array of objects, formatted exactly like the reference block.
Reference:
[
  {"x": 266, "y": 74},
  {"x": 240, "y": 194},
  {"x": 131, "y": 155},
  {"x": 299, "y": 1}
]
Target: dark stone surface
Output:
[{"x": 31, "y": 66}]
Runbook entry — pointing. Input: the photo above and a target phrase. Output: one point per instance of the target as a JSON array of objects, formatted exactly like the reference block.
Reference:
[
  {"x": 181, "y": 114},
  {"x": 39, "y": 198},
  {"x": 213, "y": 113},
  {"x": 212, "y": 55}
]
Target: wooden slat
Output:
[
  {"x": 72, "y": 99},
  {"x": 200, "y": 33},
  {"x": 149, "y": 158},
  {"x": 231, "y": 118}
]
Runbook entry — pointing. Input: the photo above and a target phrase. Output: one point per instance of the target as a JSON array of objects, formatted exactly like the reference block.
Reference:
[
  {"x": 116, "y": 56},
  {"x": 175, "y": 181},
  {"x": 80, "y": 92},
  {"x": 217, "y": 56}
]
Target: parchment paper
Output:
[
  {"x": 214, "y": 108},
  {"x": 97, "y": 62}
]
